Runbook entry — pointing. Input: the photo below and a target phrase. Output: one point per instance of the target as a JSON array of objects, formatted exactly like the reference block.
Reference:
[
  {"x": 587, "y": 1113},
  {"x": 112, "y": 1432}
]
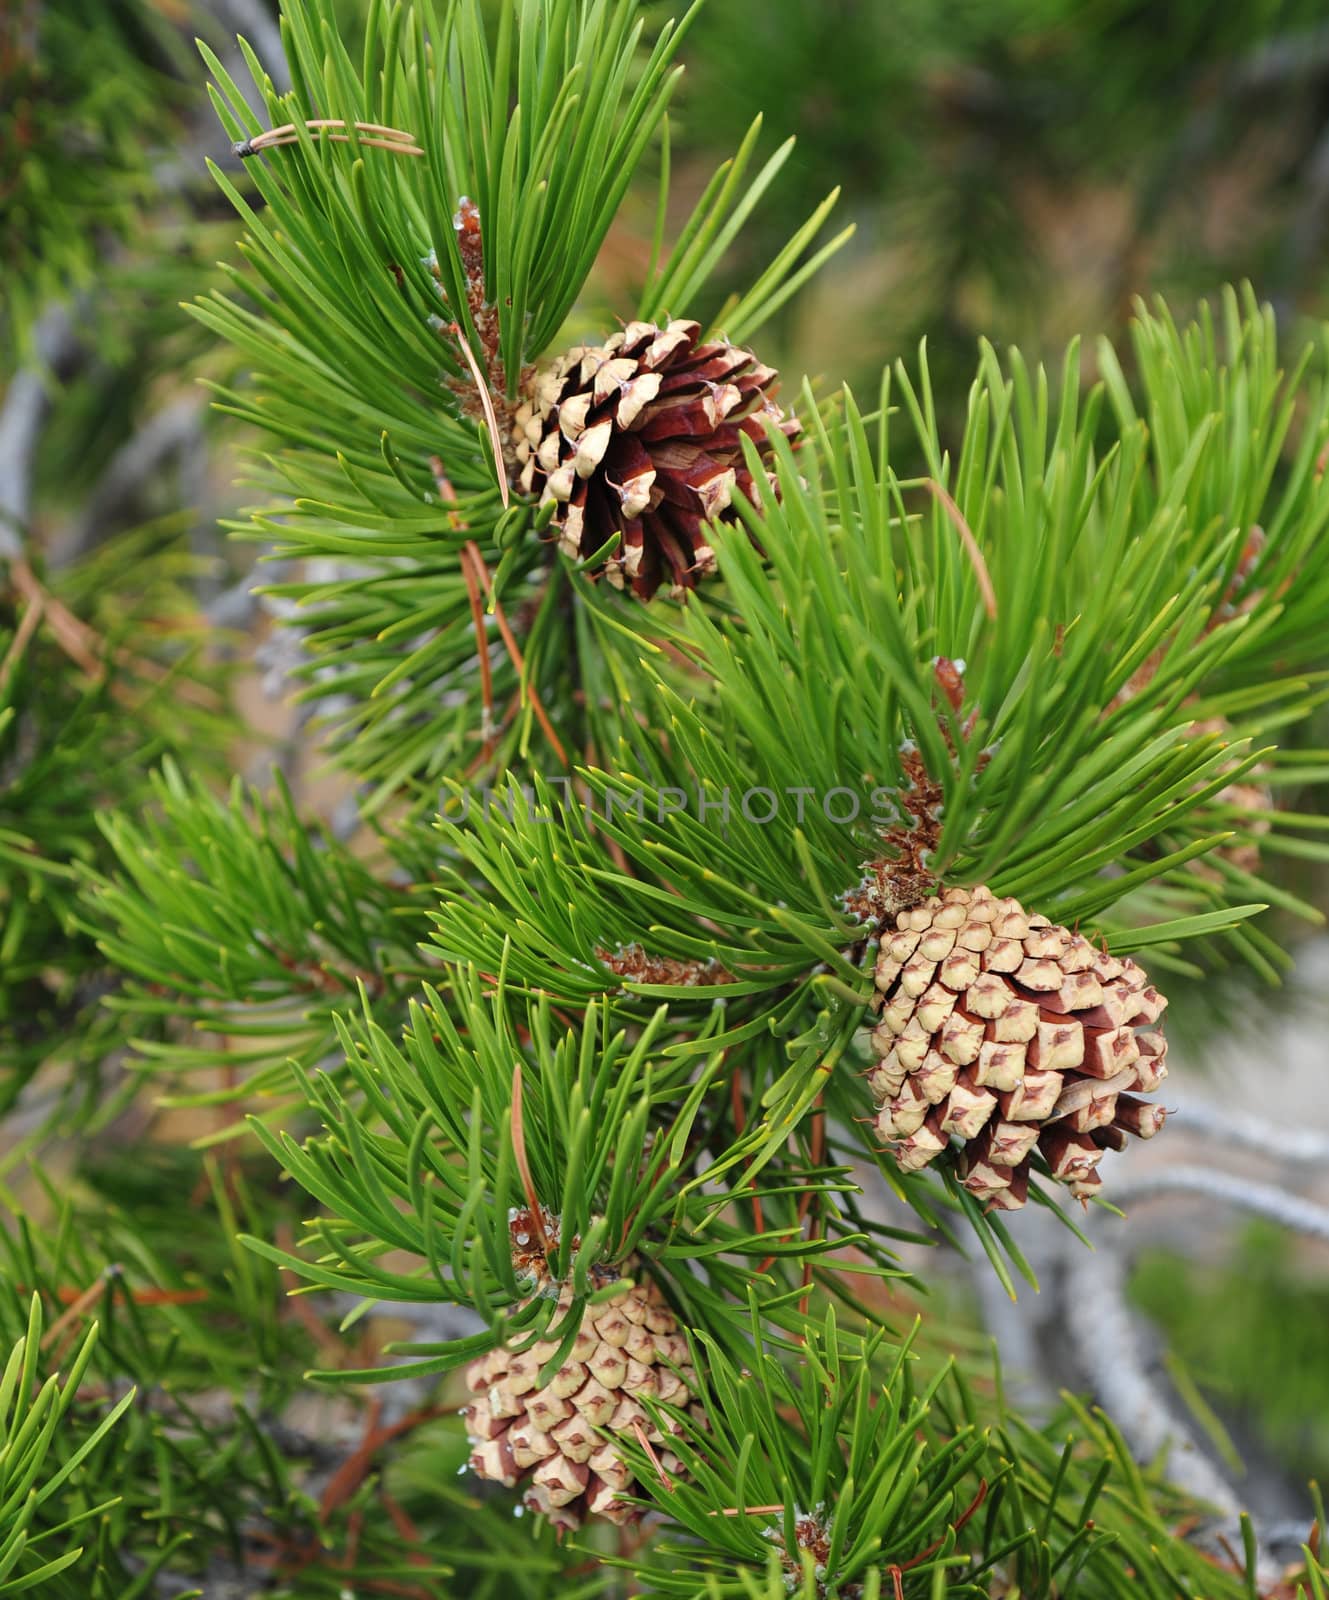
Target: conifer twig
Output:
[
  {"x": 65, "y": 1322},
  {"x": 27, "y": 627},
  {"x": 747, "y": 1511},
  {"x": 472, "y": 550},
  {"x": 655, "y": 1461},
  {"x": 79, "y": 642},
  {"x": 523, "y": 1162},
  {"x": 448, "y": 494},
  {"x": 87, "y": 649}
]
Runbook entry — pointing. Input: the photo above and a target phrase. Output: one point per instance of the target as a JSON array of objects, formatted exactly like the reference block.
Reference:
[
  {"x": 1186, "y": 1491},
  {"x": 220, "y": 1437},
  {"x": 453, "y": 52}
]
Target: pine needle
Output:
[{"x": 970, "y": 546}]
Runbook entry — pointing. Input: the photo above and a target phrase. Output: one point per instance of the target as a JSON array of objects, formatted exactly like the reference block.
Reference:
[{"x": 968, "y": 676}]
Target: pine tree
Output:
[{"x": 778, "y": 821}]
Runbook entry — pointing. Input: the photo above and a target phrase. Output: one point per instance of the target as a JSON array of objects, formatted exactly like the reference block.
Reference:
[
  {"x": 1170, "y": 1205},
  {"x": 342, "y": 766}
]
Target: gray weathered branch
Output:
[
  {"x": 26, "y": 403},
  {"x": 1260, "y": 1199},
  {"x": 1300, "y": 1145},
  {"x": 165, "y": 434}
]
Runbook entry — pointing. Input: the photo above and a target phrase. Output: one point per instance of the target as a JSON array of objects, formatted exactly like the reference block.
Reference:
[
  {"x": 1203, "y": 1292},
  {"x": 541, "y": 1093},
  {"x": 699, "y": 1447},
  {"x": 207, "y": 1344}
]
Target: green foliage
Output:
[
  {"x": 98, "y": 680},
  {"x": 181, "y": 1473},
  {"x": 1065, "y": 763},
  {"x": 234, "y": 916},
  {"x": 630, "y": 1003},
  {"x": 419, "y": 1156},
  {"x": 43, "y": 1510},
  {"x": 1246, "y": 1330},
  {"x": 173, "y": 1474},
  {"x": 190, "y": 1450},
  {"x": 871, "y": 1465},
  {"x": 346, "y": 322},
  {"x": 1073, "y": 774},
  {"x": 850, "y": 1455},
  {"x": 79, "y": 82}
]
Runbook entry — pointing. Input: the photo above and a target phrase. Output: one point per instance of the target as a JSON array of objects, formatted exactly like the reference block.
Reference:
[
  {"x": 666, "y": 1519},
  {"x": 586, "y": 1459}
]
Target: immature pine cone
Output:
[
  {"x": 643, "y": 436},
  {"x": 1004, "y": 1031},
  {"x": 628, "y": 1347}
]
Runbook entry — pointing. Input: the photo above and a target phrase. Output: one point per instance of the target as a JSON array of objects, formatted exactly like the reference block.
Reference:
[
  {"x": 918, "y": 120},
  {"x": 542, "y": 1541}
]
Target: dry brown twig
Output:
[
  {"x": 524, "y": 1165},
  {"x": 635, "y": 965},
  {"x": 472, "y": 552},
  {"x": 23, "y": 635},
  {"x": 373, "y": 134}
]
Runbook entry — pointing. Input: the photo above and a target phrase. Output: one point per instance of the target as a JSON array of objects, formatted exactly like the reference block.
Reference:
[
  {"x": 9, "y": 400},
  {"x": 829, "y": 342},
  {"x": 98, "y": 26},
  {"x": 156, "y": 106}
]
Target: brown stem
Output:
[
  {"x": 955, "y": 1527},
  {"x": 85, "y": 647},
  {"x": 482, "y": 652},
  {"x": 84, "y": 1303},
  {"x": 523, "y": 1163},
  {"x": 32, "y": 615},
  {"x": 514, "y": 650},
  {"x": 646, "y": 1445}
]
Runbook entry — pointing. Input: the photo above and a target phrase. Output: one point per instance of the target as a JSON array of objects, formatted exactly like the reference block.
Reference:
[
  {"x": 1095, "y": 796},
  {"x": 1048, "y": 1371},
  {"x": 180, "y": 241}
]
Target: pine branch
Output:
[
  {"x": 388, "y": 296},
  {"x": 597, "y": 1062},
  {"x": 236, "y": 919},
  {"x": 1099, "y": 1321},
  {"x": 1286, "y": 1145},
  {"x": 81, "y": 714},
  {"x": 1260, "y": 1199},
  {"x": 1073, "y": 795},
  {"x": 448, "y": 1139}
]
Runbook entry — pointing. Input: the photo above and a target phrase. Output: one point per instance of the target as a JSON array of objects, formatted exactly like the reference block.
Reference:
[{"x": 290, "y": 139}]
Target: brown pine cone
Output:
[
  {"x": 642, "y": 436},
  {"x": 553, "y": 1439},
  {"x": 1004, "y": 1032}
]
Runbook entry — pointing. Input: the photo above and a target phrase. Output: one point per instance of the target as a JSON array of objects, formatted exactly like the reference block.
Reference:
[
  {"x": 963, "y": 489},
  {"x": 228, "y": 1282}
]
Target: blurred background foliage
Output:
[
  {"x": 1015, "y": 169},
  {"x": 1249, "y": 1331},
  {"x": 1021, "y": 169}
]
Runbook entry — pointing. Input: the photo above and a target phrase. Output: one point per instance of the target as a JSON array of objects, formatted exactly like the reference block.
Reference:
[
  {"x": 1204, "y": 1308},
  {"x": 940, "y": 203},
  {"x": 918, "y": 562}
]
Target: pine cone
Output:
[
  {"x": 628, "y": 1348},
  {"x": 1005, "y": 1032},
  {"x": 642, "y": 436}
]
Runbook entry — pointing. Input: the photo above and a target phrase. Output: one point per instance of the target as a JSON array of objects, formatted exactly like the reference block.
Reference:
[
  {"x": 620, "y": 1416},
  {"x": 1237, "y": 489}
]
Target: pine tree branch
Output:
[
  {"x": 1287, "y": 1145},
  {"x": 1099, "y": 1322},
  {"x": 1260, "y": 1199}
]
